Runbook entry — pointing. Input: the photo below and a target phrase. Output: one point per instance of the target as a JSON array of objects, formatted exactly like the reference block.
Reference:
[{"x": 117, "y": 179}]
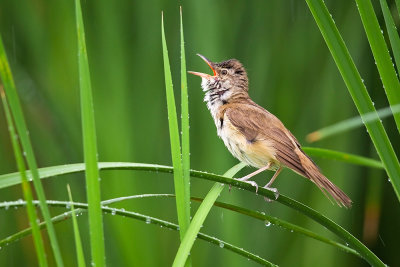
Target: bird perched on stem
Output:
[{"x": 252, "y": 134}]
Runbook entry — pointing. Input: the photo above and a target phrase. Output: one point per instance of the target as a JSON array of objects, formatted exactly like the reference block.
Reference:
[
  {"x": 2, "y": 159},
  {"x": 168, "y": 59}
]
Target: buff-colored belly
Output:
[{"x": 258, "y": 153}]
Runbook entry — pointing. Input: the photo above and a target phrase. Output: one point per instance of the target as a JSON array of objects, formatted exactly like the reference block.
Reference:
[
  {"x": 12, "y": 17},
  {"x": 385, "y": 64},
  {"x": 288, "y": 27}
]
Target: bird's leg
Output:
[
  {"x": 267, "y": 186},
  {"x": 247, "y": 177}
]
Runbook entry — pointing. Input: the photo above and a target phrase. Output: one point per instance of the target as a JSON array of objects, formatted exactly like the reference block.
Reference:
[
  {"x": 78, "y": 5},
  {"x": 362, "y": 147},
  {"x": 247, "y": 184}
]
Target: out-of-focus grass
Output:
[
  {"x": 23, "y": 135},
  {"x": 291, "y": 74}
]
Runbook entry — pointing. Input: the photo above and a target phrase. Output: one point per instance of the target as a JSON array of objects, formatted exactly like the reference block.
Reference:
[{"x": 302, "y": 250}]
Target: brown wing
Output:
[{"x": 256, "y": 124}]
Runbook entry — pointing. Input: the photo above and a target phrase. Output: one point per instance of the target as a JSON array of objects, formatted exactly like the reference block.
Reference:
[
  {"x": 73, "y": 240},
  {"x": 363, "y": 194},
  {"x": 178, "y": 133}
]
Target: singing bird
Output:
[{"x": 252, "y": 134}]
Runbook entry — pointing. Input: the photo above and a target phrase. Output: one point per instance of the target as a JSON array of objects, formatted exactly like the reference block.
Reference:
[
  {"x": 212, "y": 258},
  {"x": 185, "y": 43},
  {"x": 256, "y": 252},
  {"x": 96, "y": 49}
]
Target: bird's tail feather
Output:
[{"x": 326, "y": 186}]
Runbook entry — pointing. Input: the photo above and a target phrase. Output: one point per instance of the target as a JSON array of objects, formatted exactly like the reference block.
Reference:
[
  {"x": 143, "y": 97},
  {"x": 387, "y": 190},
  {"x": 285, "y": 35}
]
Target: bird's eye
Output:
[{"x": 224, "y": 72}]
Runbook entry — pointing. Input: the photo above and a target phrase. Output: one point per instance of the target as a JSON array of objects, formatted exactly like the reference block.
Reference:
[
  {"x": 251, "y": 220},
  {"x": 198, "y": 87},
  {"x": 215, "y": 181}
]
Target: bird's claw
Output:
[
  {"x": 274, "y": 190},
  {"x": 253, "y": 184},
  {"x": 249, "y": 182}
]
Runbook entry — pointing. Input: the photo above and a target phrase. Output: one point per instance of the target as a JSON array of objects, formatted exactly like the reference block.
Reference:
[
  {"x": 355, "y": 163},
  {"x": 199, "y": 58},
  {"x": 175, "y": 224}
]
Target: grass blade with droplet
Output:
[
  {"x": 358, "y": 92},
  {"x": 78, "y": 243},
  {"x": 183, "y": 207},
  {"x": 381, "y": 54},
  {"x": 16, "y": 111},
  {"x": 90, "y": 147},
  {"x": 185, "y": 122},
  {"x": 392, "y": 32},
  {"x": 200, "y": 216},
  {"x": 33, "y": 220}
]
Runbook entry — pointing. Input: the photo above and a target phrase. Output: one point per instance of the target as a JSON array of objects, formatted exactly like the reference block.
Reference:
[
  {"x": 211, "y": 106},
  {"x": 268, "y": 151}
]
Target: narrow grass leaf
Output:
[
  {"x": 351, "y": 123},
  {"x": 78, "y": 243},
  {"x": 185, "y": 122},
  {"x": 16, "y": 111},
  {"x": 128, "y": 214},
  {"x": 293, "y": 228},
  {"x": 358, "y": 92},
  {"x": 33, "y": 220},
  {"x": 398, "y": 6},
  {"x": 392, "y": 32},
  {"x": 381, "y": 54},
  {"x": 200, "y": 216},
  {"x": 55, "y": 171},
  {"x": 183, "y": 207},
  {"x": 344, "y": 157},
  {"x": 90, "y": 147}
]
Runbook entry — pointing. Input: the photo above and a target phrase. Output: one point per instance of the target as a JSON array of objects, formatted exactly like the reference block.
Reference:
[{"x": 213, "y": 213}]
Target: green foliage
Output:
[
  {"x": 78, "y": 243},
  {"x": 291, "y": 74},
  {"x": 33, "y": 220},
  {"x": 23, "y": 134},
  {"x": 89, "y": 147},
  {"x": 181, "y": 183}
]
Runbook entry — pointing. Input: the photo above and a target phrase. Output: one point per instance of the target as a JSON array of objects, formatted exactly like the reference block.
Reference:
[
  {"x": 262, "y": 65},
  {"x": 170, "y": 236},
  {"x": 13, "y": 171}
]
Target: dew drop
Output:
[
  {"x": 221, "y": 245},
  {"x": 267, "y": 223},
  {"x": 148, "y": 220}
]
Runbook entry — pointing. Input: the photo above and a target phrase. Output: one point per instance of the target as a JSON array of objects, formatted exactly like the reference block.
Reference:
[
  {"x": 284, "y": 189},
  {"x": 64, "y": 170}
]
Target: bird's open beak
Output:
[{"x": 204, "y": 75}]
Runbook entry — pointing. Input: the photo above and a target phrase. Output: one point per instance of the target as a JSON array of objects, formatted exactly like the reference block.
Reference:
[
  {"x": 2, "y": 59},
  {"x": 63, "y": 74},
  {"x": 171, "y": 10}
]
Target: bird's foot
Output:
[
  {"x": 249, "y": 182},
  {"x": 274, "y": 190}
]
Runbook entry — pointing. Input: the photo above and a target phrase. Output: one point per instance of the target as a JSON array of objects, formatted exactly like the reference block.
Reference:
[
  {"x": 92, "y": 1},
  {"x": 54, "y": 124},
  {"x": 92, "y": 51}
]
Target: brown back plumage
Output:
[{"x": 257, "y": 124}]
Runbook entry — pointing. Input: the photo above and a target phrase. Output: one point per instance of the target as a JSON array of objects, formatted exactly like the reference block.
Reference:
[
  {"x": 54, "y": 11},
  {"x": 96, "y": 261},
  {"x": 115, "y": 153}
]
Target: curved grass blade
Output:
[
  {"x": 392, "y": 32},
  {"x": 351, "y": 123},
  {"x": 16, "y": 110},
  {"x": 183, "y": 207},
  {"x": 200, "y": 216},
  {"x": 344, "y": 157},
  {"x": 381, "y": 54},
  {"x": 358, "y": 92},
  {"x": 78, "y": 243},
  {"x": 185, "y": 121},
  {"x": 33, "y": 220},
  {"x": 90, "y": 147},
  {"x": 251, "y": 213},
  {"x": 82, "y": 207},
  {"x": 13, "y": 178}
]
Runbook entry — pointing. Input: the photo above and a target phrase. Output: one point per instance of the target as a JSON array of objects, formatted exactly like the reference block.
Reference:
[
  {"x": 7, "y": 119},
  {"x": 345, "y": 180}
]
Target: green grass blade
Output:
[
  {"x": 13, "y": 178},
  {"x": 16, "y": 110},
  {"x": 250, "y": 213},
  {"x": 78, "y": 243},
  {"x": 357, "y": 90},
  {"x": 281, "y": 223},
  {"x": 127, "y": 214},
  {"x": 183, "y": 207},
  {"x": 10, "y": 179},
  {"x": 185, "y": 122},
  {"x": 344, "y": 157},
  {"x": 398, "y": 6},
  {"x": 351, "y": 123},
  {"x": 200, "y": 216},
  {"x": 33, "y": 220},
  {"x": 381, "y": 54},
  {"x": 90, "y": 147},
  {"x": 392, "y": 32}
]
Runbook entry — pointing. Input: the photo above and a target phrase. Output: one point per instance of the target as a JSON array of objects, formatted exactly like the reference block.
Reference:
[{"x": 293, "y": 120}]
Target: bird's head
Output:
[{"x": 229, "y": 78}]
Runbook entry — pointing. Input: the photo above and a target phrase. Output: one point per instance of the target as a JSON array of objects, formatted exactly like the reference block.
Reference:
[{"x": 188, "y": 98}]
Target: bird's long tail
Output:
[{"x": 323, "y": 183}]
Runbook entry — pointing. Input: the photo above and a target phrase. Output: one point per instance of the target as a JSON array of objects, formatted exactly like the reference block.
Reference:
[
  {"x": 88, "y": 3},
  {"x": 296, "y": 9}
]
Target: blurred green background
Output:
[{"x": 291, "y": 73}]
